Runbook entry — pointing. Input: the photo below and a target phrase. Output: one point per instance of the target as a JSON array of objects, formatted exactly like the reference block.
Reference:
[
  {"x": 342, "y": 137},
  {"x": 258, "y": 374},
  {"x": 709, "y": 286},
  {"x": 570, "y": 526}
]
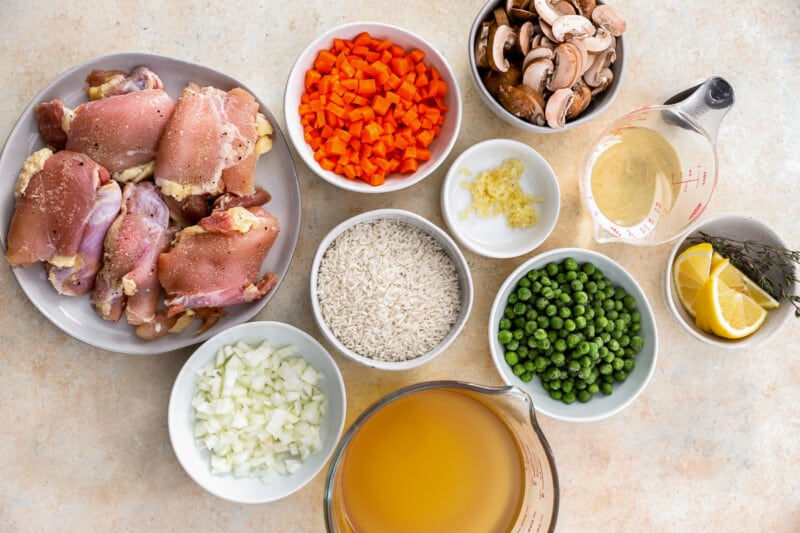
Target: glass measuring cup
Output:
[
  {"x": 650, "y": 175},
  {"x": 363, "y": 479}
]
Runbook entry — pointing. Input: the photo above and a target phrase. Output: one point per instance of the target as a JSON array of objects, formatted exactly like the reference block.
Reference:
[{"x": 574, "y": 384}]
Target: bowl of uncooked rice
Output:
[{"x": 390, "y": 289}]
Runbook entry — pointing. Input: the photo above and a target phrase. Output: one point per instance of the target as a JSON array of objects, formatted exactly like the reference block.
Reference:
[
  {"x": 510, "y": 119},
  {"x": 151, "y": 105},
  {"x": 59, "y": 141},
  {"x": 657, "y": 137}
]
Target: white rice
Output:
[{"x": 388, "y": 291}]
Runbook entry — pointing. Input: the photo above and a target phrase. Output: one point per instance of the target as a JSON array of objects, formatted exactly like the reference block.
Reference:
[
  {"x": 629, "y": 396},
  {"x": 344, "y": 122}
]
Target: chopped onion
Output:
[{"x": 258, "y": 410}]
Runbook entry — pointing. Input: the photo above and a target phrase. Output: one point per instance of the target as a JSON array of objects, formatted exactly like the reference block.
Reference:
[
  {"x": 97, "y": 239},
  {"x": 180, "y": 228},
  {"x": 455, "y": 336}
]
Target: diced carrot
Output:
[{"x": 370, "y": 108}]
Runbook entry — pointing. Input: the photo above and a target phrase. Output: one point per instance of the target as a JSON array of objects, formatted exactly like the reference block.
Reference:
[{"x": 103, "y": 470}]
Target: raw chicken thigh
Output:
[
  {"x": 217, "y": 262},
  {"x": 65, "y": 204},
  {"x": 133, "y": 243},
  {"x": 212, "y": 143},
  {"x": 122, "y": 132}
]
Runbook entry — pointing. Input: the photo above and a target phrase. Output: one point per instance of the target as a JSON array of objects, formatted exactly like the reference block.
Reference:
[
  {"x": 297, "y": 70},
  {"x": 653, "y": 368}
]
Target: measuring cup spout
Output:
[
  {"x": 602, "y": 236},
  {"x": 706, "y": 104}
]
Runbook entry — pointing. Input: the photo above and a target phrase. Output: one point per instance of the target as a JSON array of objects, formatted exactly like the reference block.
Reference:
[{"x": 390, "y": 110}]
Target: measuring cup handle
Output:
[
  {"x": 718, "y": 95},
  {"x": 705, "y": 104}
]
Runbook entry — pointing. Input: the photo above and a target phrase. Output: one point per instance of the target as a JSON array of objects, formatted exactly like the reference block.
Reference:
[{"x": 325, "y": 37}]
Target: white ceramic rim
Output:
[
  {"x": 295, "y": 130},
  {"x": 674, "y": 305},
  {"x": 588, "y": 255},
  {"x": 392, "y": 214},
  {"x": 335, "y": 379},
  {"x": 449, "y": 216}
]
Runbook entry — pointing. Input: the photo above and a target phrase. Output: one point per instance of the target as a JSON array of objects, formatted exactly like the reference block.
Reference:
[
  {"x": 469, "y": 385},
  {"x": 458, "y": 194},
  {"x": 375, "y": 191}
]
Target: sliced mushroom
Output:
[
  {"x": 524, "y": 38},
  {"x": 567, "y": 67},
  {"x": 540, "y": 52},
  {"x": 602, "y": 40},
  {"x": 557, "y": 105},
  {"x": 522, "y": 101},
  {"x": 562, "y": 7},
  {"x": 607, "y": 17},
  {"x": 521, "y": 15},
  {"x": 481, "y": 46},
  {"x": 516, "y": 4},
  {"x": 584, "y": 7},
  {"x": 572, "y": 26},
  {"x": 582, "y": 95},
  {"x": 537, "y": 74},
  {"x": 547, "y": 30},
  {"x": 498, "y": 35},
  {"x": 540, "y": 41},
  {"x": 595, "y": 74},
  {"x": 545, "y": 11},
  {"x": 605, "y": 77},
  {"x": 501, "y": 17},
  {"x": 582, "y": 52},
  {"x": 493, "y": 79}
]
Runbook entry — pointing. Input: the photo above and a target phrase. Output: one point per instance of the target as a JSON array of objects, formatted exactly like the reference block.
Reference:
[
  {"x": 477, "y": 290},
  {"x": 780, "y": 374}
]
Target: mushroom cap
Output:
[
  {"x": 584, "y": 7},
  {"x": 540, "y": 52},
  {"x": 569, "y": 26},
  {"x": 606, "y": 16},
  {"x": 545, "y": 11},
  {"x": 493, "y": 79},
  {"x": 567, "y": 61},
  {"x": 595, "y": 74},
  {"x": 557, "y": 105},
  {"x": 521, "y": 101},
  {"x": 525, "y": 37},
  {"x": 537, "y": 73},
  {"x": 601, "y": 40},
  {"x": 582, "y": 95},
  {"x": 563, "y": 7},
  {"x": 498, "y": 35}
]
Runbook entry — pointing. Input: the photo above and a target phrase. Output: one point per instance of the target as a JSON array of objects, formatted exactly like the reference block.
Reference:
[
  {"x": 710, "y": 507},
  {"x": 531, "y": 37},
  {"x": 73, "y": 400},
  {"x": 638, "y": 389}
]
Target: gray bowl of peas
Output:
[{"x": 574, "y": 330}]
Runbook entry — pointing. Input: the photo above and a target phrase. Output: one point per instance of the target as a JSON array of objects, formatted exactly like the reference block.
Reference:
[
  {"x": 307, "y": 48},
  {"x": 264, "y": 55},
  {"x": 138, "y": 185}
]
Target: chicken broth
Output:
[{"x": 432, "y": 461}]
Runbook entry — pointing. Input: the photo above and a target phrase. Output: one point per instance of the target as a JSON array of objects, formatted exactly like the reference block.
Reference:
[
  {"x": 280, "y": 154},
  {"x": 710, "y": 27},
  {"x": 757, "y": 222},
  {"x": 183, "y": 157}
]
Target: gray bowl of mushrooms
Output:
[{"x": 547, "y": 65}]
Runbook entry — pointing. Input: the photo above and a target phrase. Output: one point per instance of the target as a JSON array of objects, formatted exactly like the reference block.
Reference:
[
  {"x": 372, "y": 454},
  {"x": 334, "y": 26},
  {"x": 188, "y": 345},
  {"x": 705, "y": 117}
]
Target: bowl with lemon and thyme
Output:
[
  {"x": 731, "y": 281},
  {"x": 500, "y": 198}
]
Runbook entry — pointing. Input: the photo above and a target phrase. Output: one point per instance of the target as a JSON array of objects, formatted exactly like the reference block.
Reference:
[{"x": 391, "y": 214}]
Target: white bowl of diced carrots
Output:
[{"x": 372, "y": 107}]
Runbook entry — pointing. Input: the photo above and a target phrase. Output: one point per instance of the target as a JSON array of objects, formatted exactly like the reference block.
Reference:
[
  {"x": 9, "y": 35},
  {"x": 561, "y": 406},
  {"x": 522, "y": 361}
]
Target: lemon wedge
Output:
[
  {"x": 724, "y": 311},
  {"x": 689, "y": 271},
  {"x": 738, "y": 281},
  {"x": 716, "y": 259}
]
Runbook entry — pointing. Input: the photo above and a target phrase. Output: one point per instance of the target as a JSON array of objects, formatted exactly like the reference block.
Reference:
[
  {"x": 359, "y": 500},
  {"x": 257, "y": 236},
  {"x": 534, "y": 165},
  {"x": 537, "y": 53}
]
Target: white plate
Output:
[
  {"x": 493, "y": 237},
  {"x": 75, "y": 315},
  {"x": 181, "y": 425}
]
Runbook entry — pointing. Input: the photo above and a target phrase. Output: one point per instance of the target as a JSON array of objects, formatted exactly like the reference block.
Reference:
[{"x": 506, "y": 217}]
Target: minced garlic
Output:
[{"x": 497, "y": 191}]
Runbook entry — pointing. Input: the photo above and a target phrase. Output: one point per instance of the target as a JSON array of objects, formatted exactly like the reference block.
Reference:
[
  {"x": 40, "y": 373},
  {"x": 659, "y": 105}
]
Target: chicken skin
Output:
[
  {"x": 212, "y": 143},
  {"x": 217, "y": 262},
  {"x": 128, "y": 279},
  {"x": 65, "y": 204}
]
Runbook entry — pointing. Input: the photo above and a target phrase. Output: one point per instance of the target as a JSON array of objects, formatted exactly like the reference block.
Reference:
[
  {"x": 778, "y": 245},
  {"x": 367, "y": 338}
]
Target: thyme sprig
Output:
[{"x": 773, "y": 268}]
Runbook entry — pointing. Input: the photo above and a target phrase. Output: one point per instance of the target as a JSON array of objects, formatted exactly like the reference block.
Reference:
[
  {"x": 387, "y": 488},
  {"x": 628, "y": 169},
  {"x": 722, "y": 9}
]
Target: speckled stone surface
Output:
[{"x": 713, "y": 444}]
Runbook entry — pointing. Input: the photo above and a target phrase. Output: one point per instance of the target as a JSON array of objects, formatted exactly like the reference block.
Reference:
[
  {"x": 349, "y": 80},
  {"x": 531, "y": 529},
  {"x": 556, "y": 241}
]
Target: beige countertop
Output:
[{"x": 713, "y": 443}]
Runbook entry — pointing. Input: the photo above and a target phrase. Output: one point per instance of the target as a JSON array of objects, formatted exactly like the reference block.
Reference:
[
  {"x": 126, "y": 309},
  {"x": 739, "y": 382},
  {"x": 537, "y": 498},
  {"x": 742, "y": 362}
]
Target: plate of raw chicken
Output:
[{"x": 147, "y": 203}]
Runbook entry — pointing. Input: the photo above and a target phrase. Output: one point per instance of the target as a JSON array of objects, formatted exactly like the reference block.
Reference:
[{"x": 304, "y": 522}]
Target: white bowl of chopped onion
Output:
[
  {"x": 256, "y": 412},
  {"x": 500, "y": 198},
  {"x": 390, "y": 289}
]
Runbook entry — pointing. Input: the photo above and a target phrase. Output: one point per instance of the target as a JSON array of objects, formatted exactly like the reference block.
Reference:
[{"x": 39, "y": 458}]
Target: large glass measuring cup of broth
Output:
[
  {"x": 443, "y": 456},
  {"x": 650, "y": 175}
]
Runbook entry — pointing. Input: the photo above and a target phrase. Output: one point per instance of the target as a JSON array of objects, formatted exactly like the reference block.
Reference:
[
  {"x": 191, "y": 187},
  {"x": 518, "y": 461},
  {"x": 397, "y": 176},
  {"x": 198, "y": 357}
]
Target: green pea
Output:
[
  {"x": 523, "y": 351},
  {"x": 561, "y": 277},
  {"x": 504, "y": 336},
  {"x": 512, "y": 358},
  {"x": 524, "y": 282},
  {"x": 578, "y": 310},
  {"x": 556, "y": 322},
  {"x": 509, "y": 312},
  {"x": 636, "y": 317},
  {"x": 590, "y": 287},
  {"x": 513, "y": 298},
  {"x": 533, "y": 275},
  {"x": 618, "y": 363},
  {"x": 552, "y": 269},
  {"x": 637, "y": 342},
  {"x": 518, "y": 333},
  {"x": 628, "y": 365},
  {"x": 570, "y": 324},
  {"x": 586, "y": 361},
  {"x": 606, "y": 388},
  {"x": 606, "y": 369},
  {"x": 588, "y": 268},
  {"x": 526, "y": 376},
  {"x": 540, "y": 363},
  {"x": 558, "y": 359},
  {"x": 567, "y": 386},
  {"x": 556, "y": 394},
  {"x": 513, "y": 345},
  {"x": 560, "y": 345},
  {"x": 564, "y": 312},
  {"x": 529, "y": 366},
  {"x": 580, "y": 322},
  {"x": 540, "y": 303},
  {"x": 519, "y": 322},
  {"x": 594, "y": 388},
  {"x": 548, "y": 292},
  {"x": 536, "y": 287},
  {"x": 530, "y": 327},
  {"x": 584, "y": 396},
  {"x": 576, "y": 285},
  {"x": 570, "y": 264},
  {"x": 568, "y": 397},
  {"x": 581, "y": 297},
  {"x": 620, "y": 375},
  {"x": 551, "y": 310},
  {"x": 519, "y": 308},
  {"x": 524, "y": 294},
  {"x": 531, "y": 314},
  {"x": 518, "y": 369},
  {"x": 574, "y": 366}
]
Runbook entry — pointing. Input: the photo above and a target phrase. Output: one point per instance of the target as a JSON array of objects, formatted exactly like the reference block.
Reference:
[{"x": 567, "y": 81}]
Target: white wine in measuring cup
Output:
[
  {"x": 650, "y": 175},
  {"x": 634, "y": 172}
]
